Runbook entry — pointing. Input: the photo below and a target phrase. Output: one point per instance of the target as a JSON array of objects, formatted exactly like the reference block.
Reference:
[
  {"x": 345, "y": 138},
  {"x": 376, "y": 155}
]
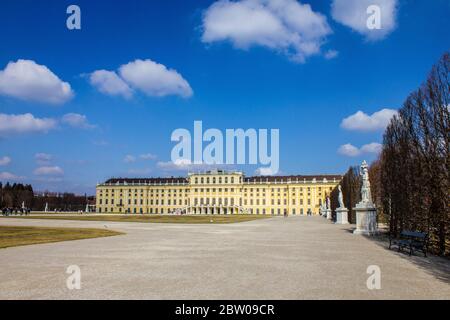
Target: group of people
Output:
[{"x": 11, "y": 210}]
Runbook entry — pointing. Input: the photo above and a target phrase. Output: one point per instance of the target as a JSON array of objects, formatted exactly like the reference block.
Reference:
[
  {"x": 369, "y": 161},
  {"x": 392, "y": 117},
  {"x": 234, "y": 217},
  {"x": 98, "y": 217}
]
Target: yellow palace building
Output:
[{"x": 216, "y": 192}]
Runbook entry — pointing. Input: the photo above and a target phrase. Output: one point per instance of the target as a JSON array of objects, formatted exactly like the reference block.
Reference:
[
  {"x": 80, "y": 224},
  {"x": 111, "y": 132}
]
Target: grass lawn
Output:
[
  {"x": 21, "y": 236},
  {"x": 153, "y": 218}
]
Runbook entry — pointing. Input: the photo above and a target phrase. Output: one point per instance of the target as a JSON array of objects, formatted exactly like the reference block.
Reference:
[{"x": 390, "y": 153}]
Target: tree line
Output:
[
  {"x": 410, "y": 179},
  {"x": 13, "y": 195}
]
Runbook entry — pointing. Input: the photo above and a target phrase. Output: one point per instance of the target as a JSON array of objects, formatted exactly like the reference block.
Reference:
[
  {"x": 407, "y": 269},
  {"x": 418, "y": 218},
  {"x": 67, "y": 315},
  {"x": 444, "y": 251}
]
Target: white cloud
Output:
[
  {"x": 27, "y": 80},
  {"x": 154, "y": 79},
  {"x": 129, "y": 158},
  {"x": 49, "y": 171},
  {"x": 77, "y": 121},
  {"x": 4, "y": 161},
  {"x": 265, "y": 172},
  {"x": 285, "y": 26},
  {"x": 179, "y": 164},
  {"x": 49, "y": 179},
  {"x": 7, "y": 176},
  {"x": 361, "y": 121},
  {"x": 139, "y": 171},
  {"x": 353, "y": 14},
  {"x": 108, "y": 82},
  {"x": 331, "y": 54},
  {"x": 24, "y": 123},
  {"x": 350, "y": 150},
  {"x": 43, "y": 158},
  {"x": 187, "y": 165},
  {"x": 100, "y": 143},
  {"x": 373, "y": 147},
  {"x": 148, "y": 156}
]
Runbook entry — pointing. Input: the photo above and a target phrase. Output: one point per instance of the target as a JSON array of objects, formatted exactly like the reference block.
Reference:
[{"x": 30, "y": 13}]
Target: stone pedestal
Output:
[
  {"x": 341, "y": 216},
  {"x": 366, "y": 219},
  {"x": 328, "y": 214}
]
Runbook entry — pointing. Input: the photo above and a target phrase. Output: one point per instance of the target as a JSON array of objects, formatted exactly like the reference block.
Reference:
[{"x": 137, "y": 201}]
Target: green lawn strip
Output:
[
  {"x": 195, "y": 219},
  {"x": 12, "y": 236}
]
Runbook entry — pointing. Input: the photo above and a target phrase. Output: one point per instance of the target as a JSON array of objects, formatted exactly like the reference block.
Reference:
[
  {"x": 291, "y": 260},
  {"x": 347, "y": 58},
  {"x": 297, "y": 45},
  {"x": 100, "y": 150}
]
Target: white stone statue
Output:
[
  {"x": 46, "y": 207},
  {"x": 366, "y": 213},
  {"x": 342, "y": 211},
  {"x": 23, "y": 204},
  {"x": 365, "y": 188},
  {"x": 341, "y": 198},
  {"x": 328, "y": 209},
  {"x": 323, "y": 208}
]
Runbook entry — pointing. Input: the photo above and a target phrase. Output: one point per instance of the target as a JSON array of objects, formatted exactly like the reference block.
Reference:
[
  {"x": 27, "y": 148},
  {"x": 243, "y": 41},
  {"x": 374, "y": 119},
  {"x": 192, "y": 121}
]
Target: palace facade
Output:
[{"x": 216, "y": 192}]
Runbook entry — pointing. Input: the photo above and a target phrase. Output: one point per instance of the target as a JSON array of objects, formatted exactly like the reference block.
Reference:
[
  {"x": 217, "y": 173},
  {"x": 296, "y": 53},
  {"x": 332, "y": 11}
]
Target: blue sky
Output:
[{"x": 262, "y": 78}]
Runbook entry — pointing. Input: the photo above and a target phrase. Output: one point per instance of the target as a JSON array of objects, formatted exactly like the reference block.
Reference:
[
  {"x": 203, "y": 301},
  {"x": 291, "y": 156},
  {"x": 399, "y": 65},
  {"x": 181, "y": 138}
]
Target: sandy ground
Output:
[{"x": 292, "y": 258}]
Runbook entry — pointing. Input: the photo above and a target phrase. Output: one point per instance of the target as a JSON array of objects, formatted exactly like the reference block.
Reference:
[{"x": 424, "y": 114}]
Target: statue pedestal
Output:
[
  {"x": 328, "y": 214},
  {"x": 341, "y": 216},
  {"x": 366, "y": 219}
]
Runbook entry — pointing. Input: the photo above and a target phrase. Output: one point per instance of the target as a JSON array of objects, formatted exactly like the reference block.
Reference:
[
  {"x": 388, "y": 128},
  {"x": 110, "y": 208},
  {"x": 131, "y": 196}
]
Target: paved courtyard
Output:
[{"x": 293, "y": 258}]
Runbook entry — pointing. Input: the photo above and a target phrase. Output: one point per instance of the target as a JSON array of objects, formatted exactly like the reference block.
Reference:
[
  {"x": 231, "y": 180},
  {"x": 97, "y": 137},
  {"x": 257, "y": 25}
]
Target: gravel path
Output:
[{"x": 292, "y": 258}]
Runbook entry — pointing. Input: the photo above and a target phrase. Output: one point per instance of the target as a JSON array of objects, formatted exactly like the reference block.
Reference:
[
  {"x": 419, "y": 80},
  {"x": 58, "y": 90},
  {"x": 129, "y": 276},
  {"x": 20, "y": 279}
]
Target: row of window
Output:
[
  {"x": 149, "y": 201},
  {"x": 186, "y": 190},
  {"x": 205, "y": 201},
  {"x": 208, "y": 180},
  {"x": 195, "y": 210}
]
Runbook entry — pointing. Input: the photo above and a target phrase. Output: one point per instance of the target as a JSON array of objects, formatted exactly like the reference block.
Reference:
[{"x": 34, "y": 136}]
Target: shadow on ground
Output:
[{"x": 439, "y": 267}]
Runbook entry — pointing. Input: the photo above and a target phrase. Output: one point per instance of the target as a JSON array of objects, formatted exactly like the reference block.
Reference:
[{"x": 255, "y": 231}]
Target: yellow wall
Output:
[{"x": 217, "y": 192}]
